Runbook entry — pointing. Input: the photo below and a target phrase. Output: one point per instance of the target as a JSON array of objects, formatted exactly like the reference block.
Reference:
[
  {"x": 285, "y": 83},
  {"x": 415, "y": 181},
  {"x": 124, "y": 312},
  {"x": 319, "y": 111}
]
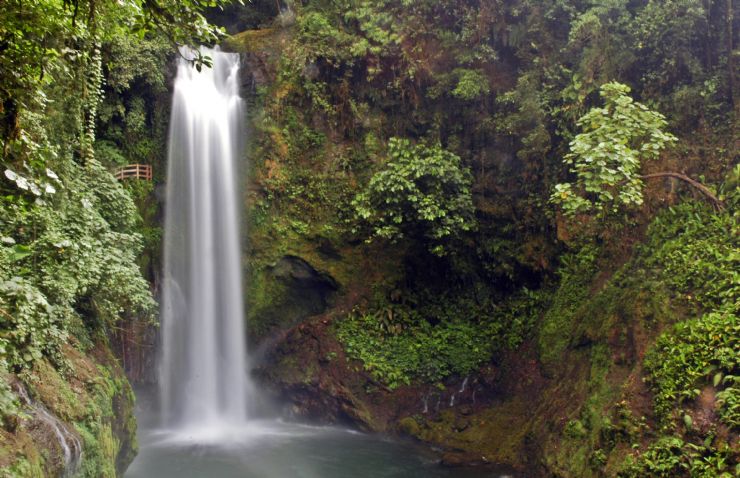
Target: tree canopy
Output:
[{"x": 421, "y": 193}]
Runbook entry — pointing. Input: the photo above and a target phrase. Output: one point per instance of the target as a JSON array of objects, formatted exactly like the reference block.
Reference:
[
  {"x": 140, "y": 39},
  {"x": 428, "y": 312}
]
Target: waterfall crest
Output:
[{"x": 203, "y": 366}]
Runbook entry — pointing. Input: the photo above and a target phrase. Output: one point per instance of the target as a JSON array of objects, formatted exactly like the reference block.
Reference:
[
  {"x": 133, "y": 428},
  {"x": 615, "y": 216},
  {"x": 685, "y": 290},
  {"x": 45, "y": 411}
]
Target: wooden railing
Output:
[{"x": 134, "y": 171}]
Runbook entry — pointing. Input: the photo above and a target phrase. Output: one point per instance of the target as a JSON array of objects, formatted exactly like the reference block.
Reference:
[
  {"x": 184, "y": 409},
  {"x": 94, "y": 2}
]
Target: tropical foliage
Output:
[
  {"x": 606, "y": 157},
  {"x": 422, "y": 193},
  {"x": 443, "y": 138},
  {"x": 69, "y": 231}
]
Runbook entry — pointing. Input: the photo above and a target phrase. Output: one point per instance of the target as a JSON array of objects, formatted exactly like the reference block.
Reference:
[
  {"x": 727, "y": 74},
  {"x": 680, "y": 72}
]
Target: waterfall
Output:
[
  {"x": 464, "y": 384},
  {"x": 203, "y": 366},
  {"x": 69, "y": 443}
]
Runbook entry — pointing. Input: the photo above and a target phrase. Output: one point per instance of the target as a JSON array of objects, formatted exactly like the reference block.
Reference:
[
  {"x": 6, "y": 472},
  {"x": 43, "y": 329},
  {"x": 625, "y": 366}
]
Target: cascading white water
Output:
[
  {"x": 69, "y": 443},
  {"x": 203, "y": 379}
]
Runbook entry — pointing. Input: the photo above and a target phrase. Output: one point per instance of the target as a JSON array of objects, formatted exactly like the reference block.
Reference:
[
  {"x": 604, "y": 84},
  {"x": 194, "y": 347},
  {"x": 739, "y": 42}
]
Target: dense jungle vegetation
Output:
[
  {"x": 74, "y": 79},
  {"x": 484, "y": 183}
]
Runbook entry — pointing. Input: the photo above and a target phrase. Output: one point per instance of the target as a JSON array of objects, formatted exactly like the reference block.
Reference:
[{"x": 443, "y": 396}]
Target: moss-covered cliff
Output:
[
  {"x": 575, "y": 399},
  {"x": 79, "y": 422},
  {"x": 533, "y": 340}
]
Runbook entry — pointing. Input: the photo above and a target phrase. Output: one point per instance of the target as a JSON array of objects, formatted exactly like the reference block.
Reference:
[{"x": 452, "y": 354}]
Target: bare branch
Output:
[{"x": 695, "y": 184}]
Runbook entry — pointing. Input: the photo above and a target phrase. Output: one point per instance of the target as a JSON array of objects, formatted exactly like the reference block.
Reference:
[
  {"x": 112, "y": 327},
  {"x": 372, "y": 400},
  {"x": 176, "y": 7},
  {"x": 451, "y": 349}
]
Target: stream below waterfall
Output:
[{"x": 278, "y": 449}]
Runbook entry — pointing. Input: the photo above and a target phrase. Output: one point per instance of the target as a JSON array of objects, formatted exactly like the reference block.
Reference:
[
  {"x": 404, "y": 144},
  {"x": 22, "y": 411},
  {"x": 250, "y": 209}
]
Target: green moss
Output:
[
  {"x": 125, "y": 426},
  {"x": 409, "y": 426},
  {"x": 286, "y": 293},
  {"x": 556, "y": 332},
  {"x": 56, "y": 392},
  {"x": 497, "y": 434},
  {"x": 289, "y": 370},
  {"x": 266, "y": 294},
  {"x": 253, "y": 41},
  {"x": 109, "y": 429},
  {"x": 100, "y": 448}
]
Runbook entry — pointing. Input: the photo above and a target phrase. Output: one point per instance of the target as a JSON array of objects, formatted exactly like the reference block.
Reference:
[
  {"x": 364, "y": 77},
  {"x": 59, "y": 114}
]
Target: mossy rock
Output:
[
  {"x": 94, "y": 402},
  {"x": 286, "y": 293},
  {"x": 409, "y": 426}
]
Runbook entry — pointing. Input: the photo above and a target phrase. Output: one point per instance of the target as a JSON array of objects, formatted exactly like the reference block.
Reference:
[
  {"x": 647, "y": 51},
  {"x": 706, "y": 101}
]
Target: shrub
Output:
[{"x": 422, "y": 193}]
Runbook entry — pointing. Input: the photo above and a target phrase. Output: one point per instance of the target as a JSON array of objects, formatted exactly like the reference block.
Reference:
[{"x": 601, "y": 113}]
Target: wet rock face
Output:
[
  {"x": 57, "y": 441},
  {"x": 295, "y": 371},
  {"x": 307, "y": 369},
  {"x": 252, "y": 74},
  {"x": 297, "y": 291},
  {"x": 260, "y": 52},
  {"x": 124, "y": 428},
  {"x": 310, "y": 371},
  {"x": 292, "y": 268}
]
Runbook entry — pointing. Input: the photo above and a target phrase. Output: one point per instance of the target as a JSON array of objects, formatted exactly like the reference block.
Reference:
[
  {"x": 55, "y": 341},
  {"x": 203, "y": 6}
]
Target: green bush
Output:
[
  {"x": 67, "y": 256},
  {"x": 698, "y": 254},
  {"x": 471, "y": 84},
  {"x": 693, "y": 352},
  {"x": 729, "y": 400},
  {"x": 695, "y": 253},
  {"x": 606, "y": 157},
  {"x": 671, "y": 457},
  {"x": 422, "y": 193}
]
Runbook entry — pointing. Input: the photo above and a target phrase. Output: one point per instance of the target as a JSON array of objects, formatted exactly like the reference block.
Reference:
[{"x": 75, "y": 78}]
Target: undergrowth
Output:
[
  {"x": 441, "y": 337},
  {"x": 695, "y": 252}
]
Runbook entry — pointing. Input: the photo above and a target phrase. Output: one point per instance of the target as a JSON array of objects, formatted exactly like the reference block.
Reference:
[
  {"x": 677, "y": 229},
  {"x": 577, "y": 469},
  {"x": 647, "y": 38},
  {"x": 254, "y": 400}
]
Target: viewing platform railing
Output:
[{"x": 134, "y": 171}]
